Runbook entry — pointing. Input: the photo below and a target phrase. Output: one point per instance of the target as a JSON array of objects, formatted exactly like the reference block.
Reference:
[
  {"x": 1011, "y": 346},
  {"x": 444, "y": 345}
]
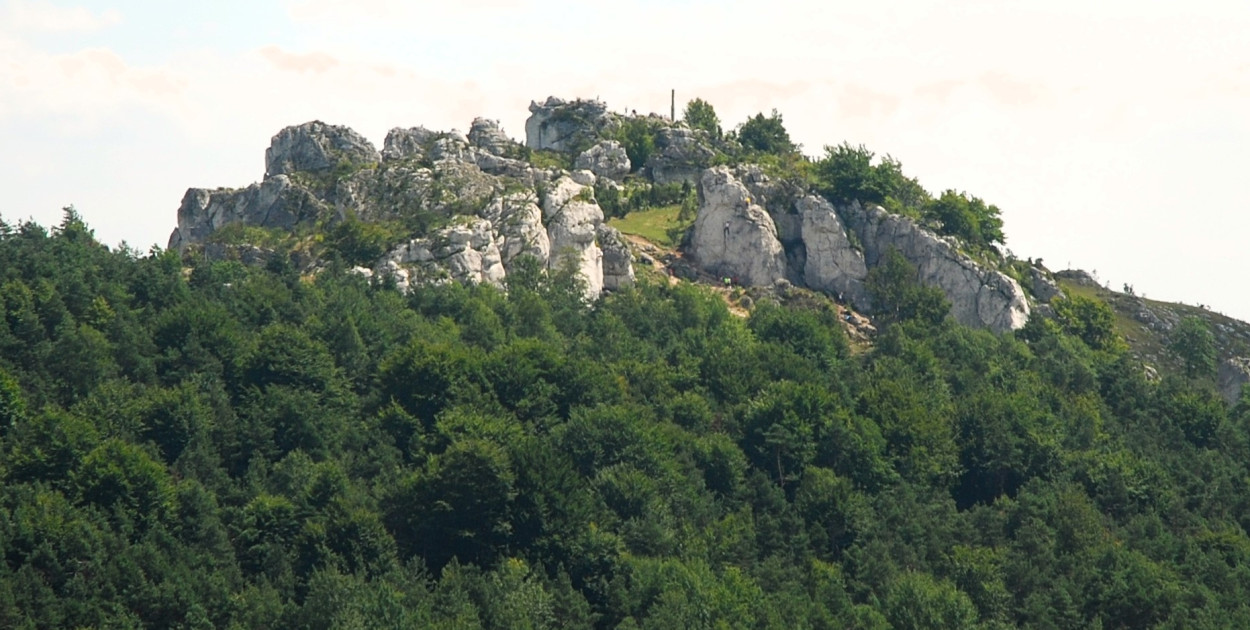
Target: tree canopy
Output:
[{"x": 196, "y": 443}]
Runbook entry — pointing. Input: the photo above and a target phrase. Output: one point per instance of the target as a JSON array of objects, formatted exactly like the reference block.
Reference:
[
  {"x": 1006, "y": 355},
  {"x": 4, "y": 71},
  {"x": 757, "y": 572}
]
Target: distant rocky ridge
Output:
[
  {"x": 488, "y": 205},
  {"x": 495, "y": 206}
]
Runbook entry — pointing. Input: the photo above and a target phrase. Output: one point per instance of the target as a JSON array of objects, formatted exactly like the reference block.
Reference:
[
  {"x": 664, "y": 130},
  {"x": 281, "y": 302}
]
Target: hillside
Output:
[{"x": 363, "y": 393}]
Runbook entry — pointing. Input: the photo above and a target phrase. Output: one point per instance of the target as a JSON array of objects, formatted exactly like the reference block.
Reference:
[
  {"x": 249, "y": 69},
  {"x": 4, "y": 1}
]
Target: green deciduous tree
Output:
[
  {"x": 1192, "y": 341},
  {"x": 766, "y": 134},
  {"x": 699, "y": 114}
]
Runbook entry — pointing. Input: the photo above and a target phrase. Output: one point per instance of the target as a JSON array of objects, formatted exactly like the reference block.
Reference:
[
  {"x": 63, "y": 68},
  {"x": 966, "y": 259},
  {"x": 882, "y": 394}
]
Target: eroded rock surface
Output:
[
  {"x": 980, "y": 297},
  {"x": 605, "y": 159},
  {"x": 273, "y": 203},
  {"x": 831, "y": 263},
  {"x": 1233, "y": 375},
  {"x": 732, "y": 236},
  {"x": 315, "y": 147}
]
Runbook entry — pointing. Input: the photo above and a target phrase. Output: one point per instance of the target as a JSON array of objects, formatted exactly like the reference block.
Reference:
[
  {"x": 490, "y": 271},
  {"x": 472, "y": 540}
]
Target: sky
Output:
[{"x": 1114, "y": 135}]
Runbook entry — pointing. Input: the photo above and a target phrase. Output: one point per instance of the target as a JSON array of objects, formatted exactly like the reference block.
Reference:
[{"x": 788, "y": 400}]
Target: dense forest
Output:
[{"x": 195, "y": 444}]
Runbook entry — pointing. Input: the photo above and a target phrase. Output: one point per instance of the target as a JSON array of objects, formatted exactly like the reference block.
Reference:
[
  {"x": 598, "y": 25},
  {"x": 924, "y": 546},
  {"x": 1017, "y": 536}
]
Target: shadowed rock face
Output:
[
  {"x": 681, "y": 156},
  {"x": 274, "y": 203},
  {"x": 830, "y": 263},
  {"x": 314, "y": 147},
  {"x": 560, "y": 125},
  {"x": 1233, "y": 375},
  {"x": 980, "y": 297}
]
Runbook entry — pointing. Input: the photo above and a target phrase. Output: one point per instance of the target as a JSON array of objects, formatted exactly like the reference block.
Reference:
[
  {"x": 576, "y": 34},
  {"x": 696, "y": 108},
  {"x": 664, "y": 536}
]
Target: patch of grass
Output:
[{"x": 653, "y": 224}]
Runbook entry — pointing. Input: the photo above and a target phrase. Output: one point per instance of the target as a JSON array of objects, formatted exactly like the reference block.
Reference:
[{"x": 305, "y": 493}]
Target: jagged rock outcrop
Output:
[
  {"x": 410, "y": 143},
  {"x": 573, "y": 223},
  {"x": 732, "y": 236},
  {"x": 1233, "y": 375},
  {"x": 314, "y": 147},
  {"x": 487, "y": 135},
  {"x": 831, "y": 263},
  {"x": 488, "y": 200},
  {"x": 273, "y": 203},
  {"x": 519, "y": 230},
  {"x": 980, "y": 297},
  {"x": 618, "y": 268},
  {"x": 681, "y": 155},
  {"x": 1044, "y": 289},
  {"x": 605, "y": 159},
  {"x": 466, "y": 252},
  {"x": 560, "y": 125}
]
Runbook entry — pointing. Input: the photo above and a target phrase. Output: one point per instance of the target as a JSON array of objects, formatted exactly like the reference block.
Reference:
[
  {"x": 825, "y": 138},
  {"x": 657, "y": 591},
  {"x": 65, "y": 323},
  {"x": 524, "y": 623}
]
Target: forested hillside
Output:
[{"x": 192, "y": 444}]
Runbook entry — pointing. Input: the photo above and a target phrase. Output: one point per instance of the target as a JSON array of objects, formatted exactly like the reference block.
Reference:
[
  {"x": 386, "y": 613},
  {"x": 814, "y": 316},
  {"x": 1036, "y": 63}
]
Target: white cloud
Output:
[{"x": 44, "y": 16}]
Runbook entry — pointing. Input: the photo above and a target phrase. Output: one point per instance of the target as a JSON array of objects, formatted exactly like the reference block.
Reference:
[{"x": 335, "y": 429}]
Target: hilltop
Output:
[{"x": 593, "y": 381}]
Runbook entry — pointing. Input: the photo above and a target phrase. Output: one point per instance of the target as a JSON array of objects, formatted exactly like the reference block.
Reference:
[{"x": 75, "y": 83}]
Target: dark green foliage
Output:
[
  {"x": 898, "y": 295},
  {"x": 700, "y": 114},
  {"x": 1087, "y": 319},
  {"x": 236, "y": 446},
  {"x": 967, "y": 217},
  {"x": 637, "y": 136},
  {"x": 766, "y": 135},
  {"x": 1192, "y": 341}
]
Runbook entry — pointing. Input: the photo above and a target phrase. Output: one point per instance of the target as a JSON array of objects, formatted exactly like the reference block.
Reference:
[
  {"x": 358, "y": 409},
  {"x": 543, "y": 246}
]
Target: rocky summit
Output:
[{"x": 447, "y": 206}]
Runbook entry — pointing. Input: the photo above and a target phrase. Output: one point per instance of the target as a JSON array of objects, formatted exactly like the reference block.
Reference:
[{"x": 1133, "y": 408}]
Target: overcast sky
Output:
[{"x": 1114, "y": 135}]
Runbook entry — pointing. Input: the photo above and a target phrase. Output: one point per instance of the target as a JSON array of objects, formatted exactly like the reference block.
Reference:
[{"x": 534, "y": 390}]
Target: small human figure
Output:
[{"x": 726, "y": 230}]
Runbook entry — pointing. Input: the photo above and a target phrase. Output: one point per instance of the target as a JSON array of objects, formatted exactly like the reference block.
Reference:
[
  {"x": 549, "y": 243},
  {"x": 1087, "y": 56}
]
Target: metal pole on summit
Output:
[{"x": 672, "y": 112}]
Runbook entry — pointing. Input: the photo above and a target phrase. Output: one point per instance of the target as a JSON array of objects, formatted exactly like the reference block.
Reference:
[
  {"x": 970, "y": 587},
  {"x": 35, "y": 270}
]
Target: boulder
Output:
[
  {"x": 560, "y": 125},
  {"x": 1233, "y": 375},
  {"x": 732, "y": 236},
  {"x": 486, "y": 135},
  {"x": 274, "y": 203},
  {"x": 1044, "y": 289},
  {"x": 681, "y": 155},
  {"x": 979, "y": 296},
  {"x": 831, "y": 264},
  {"x": 411, "y": 143},
  {"x": 607, "y": 159},
  {"x": 314, "y": 147},
  {"x": 618, "y": 267}
]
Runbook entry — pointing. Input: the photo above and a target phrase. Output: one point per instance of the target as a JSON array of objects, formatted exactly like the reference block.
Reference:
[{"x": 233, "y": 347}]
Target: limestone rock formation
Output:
[
  {"x": 1043, "y": 287},
  {"x": 411, "y": 143},
  {"x": 486, "y": 135},
  {"x": 1233, "y": 375},
  {"x": 681, "y": 155},
  {"x": 573, "y": 223},
  {"x": 315, "y": 146},
  {"x": 273, "y": 203},
  {"x": 560, "y": 125},
  {"x": 496, "y": 208},
  {"x": 732, "y": 236},
  {"x": 465, "y": 252},
  {"x": 831, "y": 263},
  {"x": 980, "y": 297},
  {"x": 618, "y": 268},
  {"x": 605, "y": 159},
  {"x": 519, "y": 230}
]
